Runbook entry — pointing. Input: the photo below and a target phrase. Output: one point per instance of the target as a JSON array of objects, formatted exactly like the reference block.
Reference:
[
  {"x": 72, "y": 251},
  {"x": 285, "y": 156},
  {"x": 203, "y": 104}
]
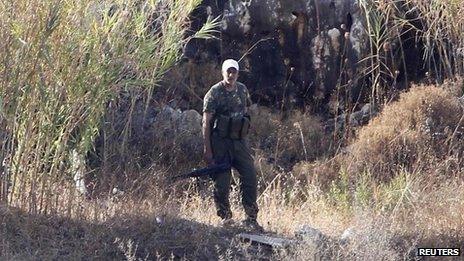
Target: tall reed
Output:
[
  {"x": 437, "y": 27},
  {"x": 62, "y": 62},
  {"x": 441, "y": 31}
]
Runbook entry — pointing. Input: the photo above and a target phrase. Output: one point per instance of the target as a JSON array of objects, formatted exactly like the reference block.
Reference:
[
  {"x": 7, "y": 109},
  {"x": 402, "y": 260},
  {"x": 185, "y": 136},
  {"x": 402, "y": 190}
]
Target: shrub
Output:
[{"x": 417, "y": 132}]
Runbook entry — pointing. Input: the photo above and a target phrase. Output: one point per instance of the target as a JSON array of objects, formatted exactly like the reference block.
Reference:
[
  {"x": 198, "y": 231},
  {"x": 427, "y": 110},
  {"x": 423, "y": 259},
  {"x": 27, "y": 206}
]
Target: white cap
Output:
[{"x": 229, "y": 63}]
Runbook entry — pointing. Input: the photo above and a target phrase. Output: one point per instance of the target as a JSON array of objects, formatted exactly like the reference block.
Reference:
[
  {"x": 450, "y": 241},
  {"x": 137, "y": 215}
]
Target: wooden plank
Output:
[{"x": 277, "y": 242}]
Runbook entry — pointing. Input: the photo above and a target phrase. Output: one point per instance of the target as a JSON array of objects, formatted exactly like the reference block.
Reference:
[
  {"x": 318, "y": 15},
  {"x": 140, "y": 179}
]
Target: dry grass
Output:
[
  {"x": 388, "y": 219},
  {"x": 422, "y": 129},
  {"x": 120, "y": 236},
  {"x": 299, "y": 137},
  {"x": 398, "y": 218}
]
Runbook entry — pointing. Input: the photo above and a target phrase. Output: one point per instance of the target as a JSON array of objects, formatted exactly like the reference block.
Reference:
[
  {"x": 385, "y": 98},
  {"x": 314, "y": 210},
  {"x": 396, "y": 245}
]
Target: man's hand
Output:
[{"x": 208, "y": 157}]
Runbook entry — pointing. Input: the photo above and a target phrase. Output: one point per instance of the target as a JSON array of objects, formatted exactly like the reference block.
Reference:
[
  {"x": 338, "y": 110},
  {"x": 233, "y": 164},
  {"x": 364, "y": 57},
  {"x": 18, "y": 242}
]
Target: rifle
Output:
[{"x": 208, "y": 171}]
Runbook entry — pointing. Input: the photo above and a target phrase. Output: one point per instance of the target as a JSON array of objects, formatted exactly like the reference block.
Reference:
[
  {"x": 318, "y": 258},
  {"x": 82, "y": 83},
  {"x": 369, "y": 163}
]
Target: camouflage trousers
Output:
[{"x": 239, "y": 154}]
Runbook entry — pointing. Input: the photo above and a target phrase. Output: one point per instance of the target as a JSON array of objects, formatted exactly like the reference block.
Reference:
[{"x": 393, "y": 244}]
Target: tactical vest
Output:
[{"x": 235, "y": 128}]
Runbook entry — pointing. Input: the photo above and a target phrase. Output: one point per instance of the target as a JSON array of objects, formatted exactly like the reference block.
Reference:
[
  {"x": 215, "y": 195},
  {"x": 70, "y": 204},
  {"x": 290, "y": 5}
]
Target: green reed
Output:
[
  {"x": 437, "y": 28},
  {"x": 62, "y": 62}
]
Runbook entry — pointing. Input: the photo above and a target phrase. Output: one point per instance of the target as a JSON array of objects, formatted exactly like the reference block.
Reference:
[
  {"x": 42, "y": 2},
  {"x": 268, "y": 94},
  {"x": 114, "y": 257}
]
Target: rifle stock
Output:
[{"x": 208, "y": 171}]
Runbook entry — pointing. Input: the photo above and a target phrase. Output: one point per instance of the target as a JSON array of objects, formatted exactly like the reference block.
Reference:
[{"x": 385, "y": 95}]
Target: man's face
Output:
[{"x": 230, "y": 75}]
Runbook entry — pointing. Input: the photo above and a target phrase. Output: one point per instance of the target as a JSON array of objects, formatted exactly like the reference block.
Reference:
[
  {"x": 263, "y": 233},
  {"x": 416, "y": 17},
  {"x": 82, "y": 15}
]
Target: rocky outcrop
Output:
[
  {"x": 183, "y": 127},
  {"x": 355, "y": 119},
  {"x": 290, "y": 50}
]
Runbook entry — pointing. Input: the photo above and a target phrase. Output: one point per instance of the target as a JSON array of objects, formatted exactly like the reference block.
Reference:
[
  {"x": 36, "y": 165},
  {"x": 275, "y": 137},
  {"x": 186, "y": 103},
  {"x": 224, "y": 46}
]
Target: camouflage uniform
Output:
[{"x": 219, "y": 101}]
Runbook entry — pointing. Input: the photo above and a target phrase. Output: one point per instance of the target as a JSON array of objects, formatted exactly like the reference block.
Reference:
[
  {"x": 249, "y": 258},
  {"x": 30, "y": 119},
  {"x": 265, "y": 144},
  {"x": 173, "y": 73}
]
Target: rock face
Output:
[
  {"x": 290, "y": 50},
  {"x": 355, "y": 119},
  {"x": 183, "y": 127}
]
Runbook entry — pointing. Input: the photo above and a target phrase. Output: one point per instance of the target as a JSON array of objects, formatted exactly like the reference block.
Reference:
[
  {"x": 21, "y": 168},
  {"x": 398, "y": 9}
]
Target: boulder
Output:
[
  {"x": 190, "y": 121},
  {"x": 78, "y": 170},
  {"x": 347, "y": 235},
  {"x": 310, "y": 235},
  {"x": 174, "y": 121},
  {"x": 355, "y": 119},
  {"x": 183, "y": 127}
]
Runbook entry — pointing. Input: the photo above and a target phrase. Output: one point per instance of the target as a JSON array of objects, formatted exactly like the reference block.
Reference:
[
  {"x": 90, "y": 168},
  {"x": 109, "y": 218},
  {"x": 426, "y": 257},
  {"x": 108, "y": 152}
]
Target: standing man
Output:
[{"x": 225, "y": 125}]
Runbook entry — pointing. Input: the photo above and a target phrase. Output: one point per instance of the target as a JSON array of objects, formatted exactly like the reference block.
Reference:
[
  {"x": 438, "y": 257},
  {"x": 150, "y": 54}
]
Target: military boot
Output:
[{"x": 252, "y": 225}]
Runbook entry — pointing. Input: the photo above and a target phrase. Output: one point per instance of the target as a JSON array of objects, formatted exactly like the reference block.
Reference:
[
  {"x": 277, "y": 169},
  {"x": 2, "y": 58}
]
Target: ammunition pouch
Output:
[{"x": 235, "y": 128}]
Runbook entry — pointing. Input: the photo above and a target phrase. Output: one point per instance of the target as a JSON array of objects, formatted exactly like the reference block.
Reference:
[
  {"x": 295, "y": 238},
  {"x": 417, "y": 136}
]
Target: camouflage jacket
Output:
[{"x": 220, "y": 101}]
